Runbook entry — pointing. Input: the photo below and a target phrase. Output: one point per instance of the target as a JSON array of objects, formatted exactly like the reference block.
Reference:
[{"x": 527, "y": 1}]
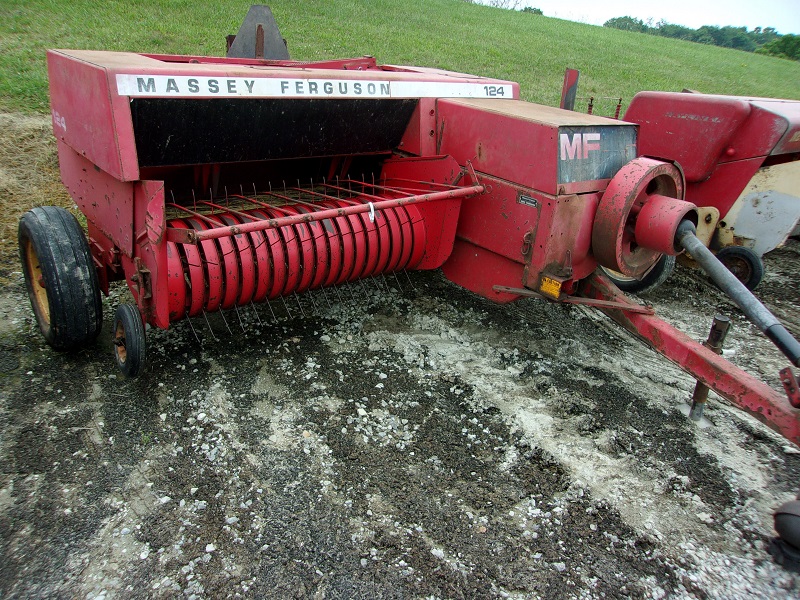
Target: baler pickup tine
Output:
[
  {"x": 224, "y": 320},
  {"x": 239, "y": 316},
  {"x": 286, "y": 307},
  {"x": 258, "y": 317},
  {"x": 269, "y": 304},
  {"x": 297, "y": 298},
  {"x": 324, "y": 293},
  {"x": 205, "y": 316},
  {"x": 194, "y": 331}
]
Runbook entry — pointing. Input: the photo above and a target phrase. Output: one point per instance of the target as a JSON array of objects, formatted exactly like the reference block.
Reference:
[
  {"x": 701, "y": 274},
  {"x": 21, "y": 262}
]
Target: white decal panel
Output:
[{"x": 185, "y": 86}]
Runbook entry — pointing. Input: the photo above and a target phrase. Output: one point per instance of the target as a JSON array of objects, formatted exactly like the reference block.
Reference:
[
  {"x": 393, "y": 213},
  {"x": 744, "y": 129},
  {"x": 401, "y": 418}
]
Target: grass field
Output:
[{"x": 449, "y": 34}]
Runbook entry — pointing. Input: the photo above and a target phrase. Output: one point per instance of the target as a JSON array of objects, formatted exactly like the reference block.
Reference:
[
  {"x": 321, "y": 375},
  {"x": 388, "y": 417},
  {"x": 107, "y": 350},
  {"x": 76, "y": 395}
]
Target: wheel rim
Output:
[
  {"x": 617, "y": 275},
  {"x": 38, "y": 289},
  {"x": 740, "y": 267},
  {"x": 120, "y": 348},
  {"x": 626, "y": 278}
]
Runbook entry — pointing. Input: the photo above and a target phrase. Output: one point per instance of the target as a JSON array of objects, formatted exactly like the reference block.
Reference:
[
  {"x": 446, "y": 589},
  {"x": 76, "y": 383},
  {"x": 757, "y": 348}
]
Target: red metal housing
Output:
[{"x": 739, "y": 136}]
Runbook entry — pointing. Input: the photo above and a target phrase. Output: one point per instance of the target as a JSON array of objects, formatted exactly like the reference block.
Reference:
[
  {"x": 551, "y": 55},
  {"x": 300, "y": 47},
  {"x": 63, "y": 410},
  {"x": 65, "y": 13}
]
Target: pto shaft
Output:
[{"x": 735, "y": 289}]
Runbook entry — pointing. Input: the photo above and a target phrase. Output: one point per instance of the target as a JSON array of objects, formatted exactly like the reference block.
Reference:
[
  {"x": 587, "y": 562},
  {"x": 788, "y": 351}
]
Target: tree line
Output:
[{"x": 762, "y": 41}]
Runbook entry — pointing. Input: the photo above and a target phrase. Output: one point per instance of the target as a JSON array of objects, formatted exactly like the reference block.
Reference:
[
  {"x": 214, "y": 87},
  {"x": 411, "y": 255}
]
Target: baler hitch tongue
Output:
[{"x": 744, "y": 299}]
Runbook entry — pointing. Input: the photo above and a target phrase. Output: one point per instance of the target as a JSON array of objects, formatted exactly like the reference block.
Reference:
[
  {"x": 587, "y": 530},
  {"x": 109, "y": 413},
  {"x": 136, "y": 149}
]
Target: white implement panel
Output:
[{"x": 768, "y": 210}]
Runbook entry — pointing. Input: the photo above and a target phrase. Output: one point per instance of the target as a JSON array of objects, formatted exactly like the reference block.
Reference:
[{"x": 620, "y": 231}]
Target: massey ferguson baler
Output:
[
  {"x": 213, "y": 183},
  {"x": 210, "y": 184}
]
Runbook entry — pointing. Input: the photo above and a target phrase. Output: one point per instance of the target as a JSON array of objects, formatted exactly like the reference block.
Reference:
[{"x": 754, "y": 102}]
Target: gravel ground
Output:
[{"x": 398, "y": 438}]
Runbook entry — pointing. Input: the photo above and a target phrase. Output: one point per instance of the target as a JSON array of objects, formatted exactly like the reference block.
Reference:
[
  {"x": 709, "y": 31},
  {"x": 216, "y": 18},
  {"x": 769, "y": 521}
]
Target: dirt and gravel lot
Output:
[{"x": 397, "y": 438}]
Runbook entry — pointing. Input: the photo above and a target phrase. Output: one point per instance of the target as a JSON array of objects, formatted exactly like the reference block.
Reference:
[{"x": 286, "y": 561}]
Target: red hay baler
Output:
[{"x": 210, "y": 184}]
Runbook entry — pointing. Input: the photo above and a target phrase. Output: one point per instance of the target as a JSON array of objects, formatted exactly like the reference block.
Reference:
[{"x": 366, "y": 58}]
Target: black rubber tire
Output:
[
  {"x": 787, "y": 523},
  {"x": 744, "y": 263},
  {"x": 60, "y": 277},
  {"x": 657, "y": 275},
  {"x": 129, "y": 340}
]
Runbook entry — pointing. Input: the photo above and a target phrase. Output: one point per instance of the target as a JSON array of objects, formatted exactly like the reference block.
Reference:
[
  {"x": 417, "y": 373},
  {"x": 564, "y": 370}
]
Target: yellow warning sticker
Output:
[{"x": 550, "y": 287}]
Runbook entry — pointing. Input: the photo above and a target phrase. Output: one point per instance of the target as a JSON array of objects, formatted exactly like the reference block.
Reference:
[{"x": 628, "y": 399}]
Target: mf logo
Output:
[{"x": 579, "y": 146}]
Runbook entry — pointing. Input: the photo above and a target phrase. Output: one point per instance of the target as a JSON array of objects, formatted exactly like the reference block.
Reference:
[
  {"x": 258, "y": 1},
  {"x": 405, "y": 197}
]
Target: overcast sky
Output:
[{"x": 783, "y": 15}]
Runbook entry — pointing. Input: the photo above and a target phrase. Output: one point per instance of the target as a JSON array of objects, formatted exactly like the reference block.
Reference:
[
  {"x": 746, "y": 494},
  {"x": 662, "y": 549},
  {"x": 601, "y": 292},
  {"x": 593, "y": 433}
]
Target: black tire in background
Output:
[
  {"x": 657, "y": 275},
  {"x": 60, "y": 277},
  {"x": 129, "y": 340},
  {"x": 744, "y": 263}
]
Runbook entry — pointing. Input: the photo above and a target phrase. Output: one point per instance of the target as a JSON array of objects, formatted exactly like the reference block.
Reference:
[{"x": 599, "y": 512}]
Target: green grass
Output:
[{"x": 448, "y": 34}]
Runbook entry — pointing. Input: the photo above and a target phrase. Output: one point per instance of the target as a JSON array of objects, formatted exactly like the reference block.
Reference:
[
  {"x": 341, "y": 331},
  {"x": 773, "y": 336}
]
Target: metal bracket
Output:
[
  {"x": 474, "y": 176},
  {"x": 141, "y": 278},
  {"x": 527, "y": 244},
  {"x": 633, "y": 308},
  {"x": 258, "y": 37},
  {"x": 791, "y": 385}
]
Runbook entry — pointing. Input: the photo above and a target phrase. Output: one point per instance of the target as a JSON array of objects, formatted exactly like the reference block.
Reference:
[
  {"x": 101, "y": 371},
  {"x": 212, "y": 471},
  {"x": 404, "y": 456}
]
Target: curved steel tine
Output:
[
  {"x": 255, "y": 310},
  {"x": 236, "y": 308},
  {"x": 211, "y": 329},
  {"x": 286, "y": 307},
  {"x": 302, "y": 312},
  {"x": 324, "y": 293},
  {"x": 224, "y": 320},
  {"x": 197, "y": 337},
  {"x": 269, "y": 305}
]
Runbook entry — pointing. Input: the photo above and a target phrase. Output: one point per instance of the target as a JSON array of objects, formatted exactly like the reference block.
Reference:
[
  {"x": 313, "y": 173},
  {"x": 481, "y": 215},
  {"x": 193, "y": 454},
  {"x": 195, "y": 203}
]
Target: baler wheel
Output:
[
  {"x": 785, "y": 549},
  {"x": 60, "y": 277},
  {"x": 657, "y": 275},
  {"x": 129, "y": 340},
  {"x": 744, "y": 263}
]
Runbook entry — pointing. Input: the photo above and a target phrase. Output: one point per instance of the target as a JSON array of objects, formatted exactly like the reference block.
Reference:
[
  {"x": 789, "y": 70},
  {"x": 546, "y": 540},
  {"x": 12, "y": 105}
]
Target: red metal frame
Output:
[{"x": 730, "y": 382}]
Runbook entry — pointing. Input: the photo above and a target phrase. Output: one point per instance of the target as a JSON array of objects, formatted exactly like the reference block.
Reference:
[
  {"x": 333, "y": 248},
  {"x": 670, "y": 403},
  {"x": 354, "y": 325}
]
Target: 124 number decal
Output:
[{"x": 494, "y": 90}]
